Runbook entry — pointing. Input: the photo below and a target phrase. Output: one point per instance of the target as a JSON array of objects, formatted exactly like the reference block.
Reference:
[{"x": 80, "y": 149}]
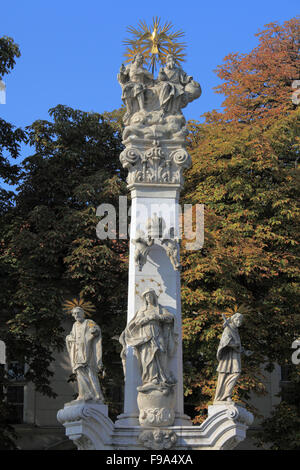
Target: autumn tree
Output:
[{"x": 245, "y": 172}]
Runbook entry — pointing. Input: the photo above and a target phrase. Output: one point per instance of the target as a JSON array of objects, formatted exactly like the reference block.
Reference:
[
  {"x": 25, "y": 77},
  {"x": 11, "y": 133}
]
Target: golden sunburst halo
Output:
[
  {"x": 155, "y": 42},
  {"x": 243, "y": 309},
  {"x": 86, "y": 306}
]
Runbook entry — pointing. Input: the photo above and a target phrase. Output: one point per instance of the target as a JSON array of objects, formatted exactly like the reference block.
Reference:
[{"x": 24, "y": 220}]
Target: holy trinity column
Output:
[{"x": 155, "y": 156}]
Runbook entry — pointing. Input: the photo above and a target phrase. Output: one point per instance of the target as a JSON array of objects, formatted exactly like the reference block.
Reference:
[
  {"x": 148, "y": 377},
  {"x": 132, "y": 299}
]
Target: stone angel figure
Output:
[
  {"x": 172, "y": 246},
  {"x": 142, "y": 248}
]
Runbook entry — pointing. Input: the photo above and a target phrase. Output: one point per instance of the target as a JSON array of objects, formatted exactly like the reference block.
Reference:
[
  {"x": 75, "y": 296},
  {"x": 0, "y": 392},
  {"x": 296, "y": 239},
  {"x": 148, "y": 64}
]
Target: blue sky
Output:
[{"x": 72, "y": 50}]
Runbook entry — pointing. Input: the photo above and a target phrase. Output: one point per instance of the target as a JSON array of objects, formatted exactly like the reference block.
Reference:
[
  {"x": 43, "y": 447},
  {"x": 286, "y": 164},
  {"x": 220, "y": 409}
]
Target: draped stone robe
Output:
[
  {"x": 84, "y": 345},
  {"x": 229, "y": 368},
  {"x": 152, "y": 333}
]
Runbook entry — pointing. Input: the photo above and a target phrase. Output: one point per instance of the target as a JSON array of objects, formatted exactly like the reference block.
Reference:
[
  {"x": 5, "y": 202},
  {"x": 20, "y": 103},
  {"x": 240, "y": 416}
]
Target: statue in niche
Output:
[
  {"x": 134, "y": 80},
  {"x": 153, "y": 334},
  {"x": 229, "y": 357},
  {"x": 142, "y": 248},
  {"x": 84, "y": 345},
  {"x": 177, "y": 88},
  {"x": 172, "y": 249}
]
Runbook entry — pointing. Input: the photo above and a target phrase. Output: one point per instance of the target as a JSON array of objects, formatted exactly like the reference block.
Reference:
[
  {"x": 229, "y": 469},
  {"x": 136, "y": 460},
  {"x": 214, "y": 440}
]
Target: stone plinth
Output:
[
  {"x": 90, "y": 429},
  {"x": 87, "y": 425}
]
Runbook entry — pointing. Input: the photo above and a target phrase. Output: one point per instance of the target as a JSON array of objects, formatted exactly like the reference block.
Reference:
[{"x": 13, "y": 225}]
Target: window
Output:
[{"x": 15, "y": 391}]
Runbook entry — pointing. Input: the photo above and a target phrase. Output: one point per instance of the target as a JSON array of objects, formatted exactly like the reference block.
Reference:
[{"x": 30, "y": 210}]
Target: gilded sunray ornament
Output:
[
  {"x": 87, "y": 306},
  {"x": 243, "y": 309},
  {"x": 155, "y": 42}
]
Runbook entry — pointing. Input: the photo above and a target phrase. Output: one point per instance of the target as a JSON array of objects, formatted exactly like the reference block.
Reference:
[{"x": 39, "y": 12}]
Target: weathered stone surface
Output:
[
  {"x": 87, "y": 425},
  {"x": 155, "y": 128},
  {"x": 155, "y": 156},
  {"x": 229, "y": 357},
  {"x": 84, "y": 345}
]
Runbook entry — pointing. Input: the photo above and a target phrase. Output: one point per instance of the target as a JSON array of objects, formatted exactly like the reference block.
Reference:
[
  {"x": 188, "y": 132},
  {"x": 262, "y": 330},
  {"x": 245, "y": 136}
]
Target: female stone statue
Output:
[{"x": 152, "y": 333}]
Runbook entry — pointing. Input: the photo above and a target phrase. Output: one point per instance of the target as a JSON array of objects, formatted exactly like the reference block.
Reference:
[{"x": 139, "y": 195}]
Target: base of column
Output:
[{"x": 90, "y": 428}]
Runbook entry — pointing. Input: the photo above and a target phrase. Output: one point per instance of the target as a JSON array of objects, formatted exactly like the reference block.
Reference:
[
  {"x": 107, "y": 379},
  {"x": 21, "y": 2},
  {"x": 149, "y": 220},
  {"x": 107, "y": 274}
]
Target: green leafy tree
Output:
[
  {"x": 10, "y": 144},
  {"x": 50, "y": 249},
  {"x": 9, "y": 51},
  {"x": 10, "y": 137},
  {"x": 245, "y": 172}
]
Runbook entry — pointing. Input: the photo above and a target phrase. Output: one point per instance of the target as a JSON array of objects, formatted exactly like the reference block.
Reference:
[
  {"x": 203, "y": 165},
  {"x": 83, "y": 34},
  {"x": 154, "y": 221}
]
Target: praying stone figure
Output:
[
  {"x": 153, "y": 334},
  {"x": 229, "y": 357},
  {"x": 134, "y": 79},
  {"x": 84, "y": 345}
]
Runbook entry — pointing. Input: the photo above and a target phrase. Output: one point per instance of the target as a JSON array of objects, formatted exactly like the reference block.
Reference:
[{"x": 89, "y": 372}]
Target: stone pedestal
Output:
[
  {"x": 90, "y": 429},
  {"x": 87, "y": 425}
]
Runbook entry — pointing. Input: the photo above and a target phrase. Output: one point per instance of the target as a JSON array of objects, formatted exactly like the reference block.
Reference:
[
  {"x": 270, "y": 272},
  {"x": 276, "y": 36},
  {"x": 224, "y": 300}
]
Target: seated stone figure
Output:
[{"x": 177, "y": 88}]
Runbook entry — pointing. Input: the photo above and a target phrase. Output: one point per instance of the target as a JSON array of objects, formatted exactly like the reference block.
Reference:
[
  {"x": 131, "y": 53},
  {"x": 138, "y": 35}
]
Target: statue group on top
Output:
[
  {"x": 155, "y": 128},
  {"x": 155, "y": 102}
]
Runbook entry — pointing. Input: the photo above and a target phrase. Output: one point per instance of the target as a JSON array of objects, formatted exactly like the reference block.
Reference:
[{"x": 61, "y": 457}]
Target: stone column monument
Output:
[{"x": 155, "y": 156}]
